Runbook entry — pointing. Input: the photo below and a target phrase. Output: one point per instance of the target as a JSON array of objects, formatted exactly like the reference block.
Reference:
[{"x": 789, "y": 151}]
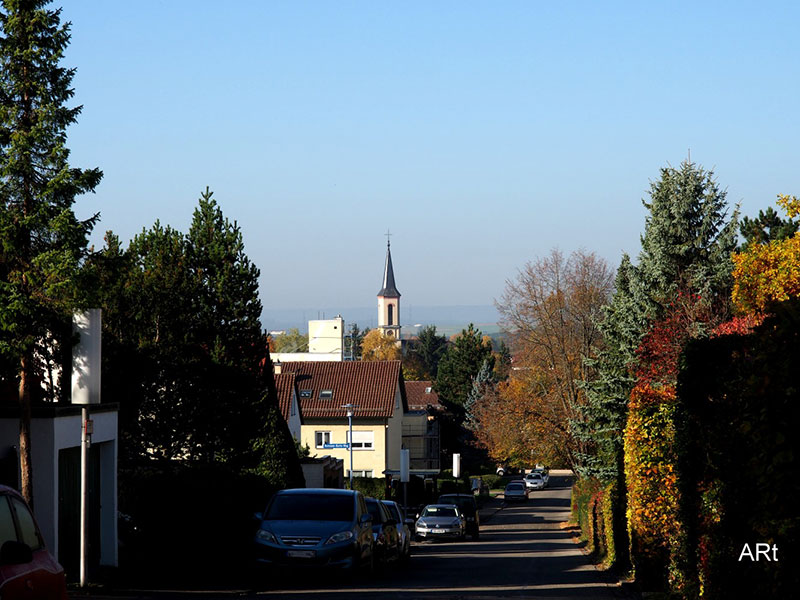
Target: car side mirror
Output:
[
  {"x": 366, "y": 518},
  {"x": 258, "y": 516},
  {"x": 15, "y": 553}
]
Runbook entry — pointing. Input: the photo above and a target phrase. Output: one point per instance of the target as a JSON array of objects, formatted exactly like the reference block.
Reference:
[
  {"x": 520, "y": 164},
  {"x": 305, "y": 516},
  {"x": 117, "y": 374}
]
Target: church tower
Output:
[{"x": 389, "y": 301}]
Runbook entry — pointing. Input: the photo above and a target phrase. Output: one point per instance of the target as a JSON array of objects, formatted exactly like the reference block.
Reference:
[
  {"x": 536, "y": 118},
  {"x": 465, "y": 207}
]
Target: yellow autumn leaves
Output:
[{"x": 770, "y": 272}]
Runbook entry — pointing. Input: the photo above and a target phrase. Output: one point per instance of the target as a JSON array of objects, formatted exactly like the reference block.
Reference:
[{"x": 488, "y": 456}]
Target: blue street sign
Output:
[{"x": 329, "y": 446}]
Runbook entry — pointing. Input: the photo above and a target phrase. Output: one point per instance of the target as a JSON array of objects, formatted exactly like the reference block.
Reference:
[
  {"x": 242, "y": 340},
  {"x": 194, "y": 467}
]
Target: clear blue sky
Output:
[{"x": 481, "y": 134}]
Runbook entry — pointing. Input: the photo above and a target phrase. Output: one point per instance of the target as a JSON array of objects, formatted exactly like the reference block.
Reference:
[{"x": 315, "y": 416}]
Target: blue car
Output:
[{"x": 311, "y": 528}]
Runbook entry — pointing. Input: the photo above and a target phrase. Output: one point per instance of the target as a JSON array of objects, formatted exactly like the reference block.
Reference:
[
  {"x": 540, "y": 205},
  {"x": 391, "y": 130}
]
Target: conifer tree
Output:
[{"x": 41, "y": 241}]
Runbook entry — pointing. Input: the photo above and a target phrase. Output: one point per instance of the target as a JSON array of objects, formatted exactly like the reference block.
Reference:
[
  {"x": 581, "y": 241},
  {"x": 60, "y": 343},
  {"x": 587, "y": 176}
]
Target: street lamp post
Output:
[{"x": 350, "y": 408}]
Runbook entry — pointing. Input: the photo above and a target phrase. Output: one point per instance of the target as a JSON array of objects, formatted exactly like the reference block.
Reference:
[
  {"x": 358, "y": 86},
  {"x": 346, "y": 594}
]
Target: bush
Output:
[
  {"x": 204, "y": 508},
  {"x": 593, "y": 504},
  {"x": 493, "y": 481},
  {"x": 374, "y": 487}
]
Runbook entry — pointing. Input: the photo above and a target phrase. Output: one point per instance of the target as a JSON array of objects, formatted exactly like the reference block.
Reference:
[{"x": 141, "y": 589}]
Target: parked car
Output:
[
  {"x": 315, "y": 528},
  {"x": 534, "y": 481},
  {"x": 27, "y": 569},
  {"x": 384, "y": 532},
  {"x": 440, "y": 521},
  {"x": 544, "y": 472},
  {"x": 516, "y": 490},
  {"x": 503, "y": 470},
  {"x": 468, "y": 508},
  {"x": 403, "y": 527}
]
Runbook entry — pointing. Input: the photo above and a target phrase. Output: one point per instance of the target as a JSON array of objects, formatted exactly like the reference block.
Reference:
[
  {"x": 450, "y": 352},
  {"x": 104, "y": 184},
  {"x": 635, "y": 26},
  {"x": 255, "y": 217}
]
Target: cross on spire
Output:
[{"x": 388, "y": 235}]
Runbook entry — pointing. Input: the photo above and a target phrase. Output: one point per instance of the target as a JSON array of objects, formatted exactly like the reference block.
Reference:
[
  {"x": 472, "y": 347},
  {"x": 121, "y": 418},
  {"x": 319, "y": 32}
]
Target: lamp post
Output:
[{"x": 350, "y": 408}]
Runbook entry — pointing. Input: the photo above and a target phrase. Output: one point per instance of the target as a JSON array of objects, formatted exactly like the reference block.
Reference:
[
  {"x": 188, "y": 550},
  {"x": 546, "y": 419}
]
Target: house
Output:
[
  {"x": 374, "y": 389},
  {"x": 287, "y": 400},
  {"x": 421, "y": 426}
]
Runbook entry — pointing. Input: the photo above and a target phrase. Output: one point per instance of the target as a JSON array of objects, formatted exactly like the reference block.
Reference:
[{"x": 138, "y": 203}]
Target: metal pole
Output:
[
  {"x": 350, "y": 423},
  {"x": 84, "y": 492}
]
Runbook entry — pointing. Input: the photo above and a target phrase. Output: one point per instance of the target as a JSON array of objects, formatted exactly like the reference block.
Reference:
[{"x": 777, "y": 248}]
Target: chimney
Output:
[{"x": 277, "y": 367}]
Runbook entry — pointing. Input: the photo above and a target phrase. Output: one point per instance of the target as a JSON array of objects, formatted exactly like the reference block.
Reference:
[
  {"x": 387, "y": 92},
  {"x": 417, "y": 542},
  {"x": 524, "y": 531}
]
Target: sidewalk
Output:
[{"x": 490, "y": 508}]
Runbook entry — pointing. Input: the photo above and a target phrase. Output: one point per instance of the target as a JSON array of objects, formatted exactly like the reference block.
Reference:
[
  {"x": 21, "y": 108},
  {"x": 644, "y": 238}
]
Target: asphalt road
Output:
[{"x": 523, "y": 552}]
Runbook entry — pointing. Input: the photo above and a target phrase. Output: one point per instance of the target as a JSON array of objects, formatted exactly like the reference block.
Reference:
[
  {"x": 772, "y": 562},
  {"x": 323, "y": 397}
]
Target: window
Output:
[
  {"x": 427, "y": 390},
  {"x": 357, "y": 473},
  {"x": 391, "y": 315},
  {"x": 362, "y": 440},
  {"x": 326, "y": 395},
  {"x": 305, "y": 393},
  {"x": 321, "y": 438},
  {"x": 27, "y": 527},
  {"x": 292, "y": 409},
  {"x": 7, "y": 530}
]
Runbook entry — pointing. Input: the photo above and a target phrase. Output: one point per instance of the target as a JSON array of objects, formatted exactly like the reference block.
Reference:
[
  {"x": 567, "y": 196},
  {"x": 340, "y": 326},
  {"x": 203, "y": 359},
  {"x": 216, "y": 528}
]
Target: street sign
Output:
[{"x": 329, "y": 446}]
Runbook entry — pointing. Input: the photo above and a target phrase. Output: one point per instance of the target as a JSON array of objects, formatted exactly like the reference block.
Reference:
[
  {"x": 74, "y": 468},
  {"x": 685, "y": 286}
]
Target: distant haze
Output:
[{"x": 445, "y": 318}]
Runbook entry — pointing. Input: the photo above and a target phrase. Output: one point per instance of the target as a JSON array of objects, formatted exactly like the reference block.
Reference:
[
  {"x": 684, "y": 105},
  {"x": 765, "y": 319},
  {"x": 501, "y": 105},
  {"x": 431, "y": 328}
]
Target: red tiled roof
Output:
[
  {"x": 371, "y": 386},
  {"x": 418, "y": 398},
  {"x": 285, "y": 383}
]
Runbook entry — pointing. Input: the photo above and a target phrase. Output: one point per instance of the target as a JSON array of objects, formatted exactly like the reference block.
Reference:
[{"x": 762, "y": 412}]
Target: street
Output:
[{"x": 522, "y": 552}]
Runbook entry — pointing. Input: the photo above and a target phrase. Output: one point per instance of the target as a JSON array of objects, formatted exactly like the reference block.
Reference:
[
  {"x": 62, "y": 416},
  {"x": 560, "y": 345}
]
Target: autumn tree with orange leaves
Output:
[{"x": 551, "y": 313}]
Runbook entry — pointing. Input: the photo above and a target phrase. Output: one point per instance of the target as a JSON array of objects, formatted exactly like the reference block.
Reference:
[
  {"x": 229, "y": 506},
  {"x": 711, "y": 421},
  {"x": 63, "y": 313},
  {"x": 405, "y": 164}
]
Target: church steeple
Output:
[
  {"x": 389, "y": 290},
  {"x": 389, "y": 300}
]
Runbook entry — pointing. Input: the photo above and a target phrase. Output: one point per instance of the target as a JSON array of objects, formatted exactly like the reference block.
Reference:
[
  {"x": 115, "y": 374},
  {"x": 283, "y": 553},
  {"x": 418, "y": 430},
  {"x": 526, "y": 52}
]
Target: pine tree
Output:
[
  {"x": 767, "y": 227},
  {"x": 430, "y": 347},
  {"x": 688, "y": 241},
  {"x": 483, "y": 380},
  {"x": 42, "y": 242}
]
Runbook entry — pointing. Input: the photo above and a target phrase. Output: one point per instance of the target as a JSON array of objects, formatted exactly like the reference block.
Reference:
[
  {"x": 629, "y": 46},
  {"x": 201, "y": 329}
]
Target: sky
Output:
[{"x": 481, "y": 135}]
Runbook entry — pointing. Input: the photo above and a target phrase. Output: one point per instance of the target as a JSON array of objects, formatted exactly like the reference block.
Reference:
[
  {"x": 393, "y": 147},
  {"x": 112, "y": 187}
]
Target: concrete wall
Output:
[
  {"x": 326, "y": 337},
  {"x": 394, "y": 433},
  {"x": 51, "y": 434}
]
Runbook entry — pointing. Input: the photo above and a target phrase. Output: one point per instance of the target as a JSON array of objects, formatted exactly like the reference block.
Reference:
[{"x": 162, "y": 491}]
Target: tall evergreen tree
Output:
[
  {"x": 766, "y": 227},
  {"x": 687, "y": 247},
  {"x": 688, "y": 241},
  {"x": 42, "y": 242},
  {"x": 483, "y": 380},
  {"x": 430, "y": 347}
]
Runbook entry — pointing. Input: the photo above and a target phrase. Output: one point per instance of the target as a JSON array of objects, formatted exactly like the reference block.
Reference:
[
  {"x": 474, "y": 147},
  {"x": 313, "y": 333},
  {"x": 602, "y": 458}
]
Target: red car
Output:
[{"x": 27, "y": 569}]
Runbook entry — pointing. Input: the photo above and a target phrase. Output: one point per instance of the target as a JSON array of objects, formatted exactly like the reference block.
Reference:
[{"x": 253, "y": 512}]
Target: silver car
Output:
[
  {"x": 440, "y": 521},
  {"x": 534, "y": 481},
  {"x": 402, "y": 527},
  {"x": 516, "y": 490}
]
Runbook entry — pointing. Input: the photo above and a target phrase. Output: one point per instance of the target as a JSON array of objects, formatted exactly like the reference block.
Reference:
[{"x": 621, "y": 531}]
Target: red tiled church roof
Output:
[
  {"x": 418, "y": 398},
  {"x": 371, "y": 386}
]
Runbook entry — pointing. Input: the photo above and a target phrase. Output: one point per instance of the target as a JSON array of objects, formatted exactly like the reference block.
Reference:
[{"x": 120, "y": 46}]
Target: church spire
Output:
[
  {"x": 389, "y": 299},
  {"x": 389, "y": 290}
]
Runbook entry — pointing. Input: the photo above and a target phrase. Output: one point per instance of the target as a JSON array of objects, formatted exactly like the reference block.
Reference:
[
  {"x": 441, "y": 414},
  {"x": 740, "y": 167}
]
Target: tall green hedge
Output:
[{"x": 742, "y": 397}]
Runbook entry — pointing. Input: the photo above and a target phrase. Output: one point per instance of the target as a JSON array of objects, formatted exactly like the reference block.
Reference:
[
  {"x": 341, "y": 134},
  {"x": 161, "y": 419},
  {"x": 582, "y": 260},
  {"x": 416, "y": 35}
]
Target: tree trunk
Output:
[{"x": 25, "y": 464}]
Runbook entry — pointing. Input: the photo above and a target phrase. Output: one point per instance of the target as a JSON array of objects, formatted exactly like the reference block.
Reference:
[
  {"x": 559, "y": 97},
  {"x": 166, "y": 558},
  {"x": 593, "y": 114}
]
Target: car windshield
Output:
[
  {"x": 534, "y": 476},
  {"x": 311, "y": 507},
  {"x": 513, "y": 486},
  {"x": 439, "y": 511}
]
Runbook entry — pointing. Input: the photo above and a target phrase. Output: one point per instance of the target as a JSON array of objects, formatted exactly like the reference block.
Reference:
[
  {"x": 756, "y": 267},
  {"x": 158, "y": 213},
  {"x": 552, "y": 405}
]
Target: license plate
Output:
[
  {"x": 301, "y": 553},
  {"x": 438, "y": 531}
]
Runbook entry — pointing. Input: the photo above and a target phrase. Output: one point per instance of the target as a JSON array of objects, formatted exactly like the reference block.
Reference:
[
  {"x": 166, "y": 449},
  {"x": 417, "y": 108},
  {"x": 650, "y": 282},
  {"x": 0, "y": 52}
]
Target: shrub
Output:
[
  {"x": 374, "y": 487},
  {"x": 493, "y": 481}
]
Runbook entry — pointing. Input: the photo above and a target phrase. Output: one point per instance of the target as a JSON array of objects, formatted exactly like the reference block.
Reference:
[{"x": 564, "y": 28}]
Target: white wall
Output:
[{"x": 49, "y": 436}]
